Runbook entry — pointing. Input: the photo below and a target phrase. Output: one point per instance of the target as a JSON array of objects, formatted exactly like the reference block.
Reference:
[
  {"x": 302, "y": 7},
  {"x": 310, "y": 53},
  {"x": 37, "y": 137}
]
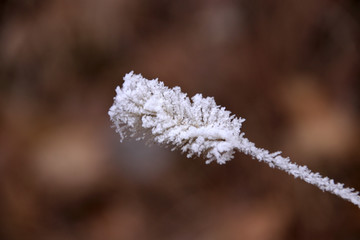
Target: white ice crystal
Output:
[{"x": 198, "y": 127}]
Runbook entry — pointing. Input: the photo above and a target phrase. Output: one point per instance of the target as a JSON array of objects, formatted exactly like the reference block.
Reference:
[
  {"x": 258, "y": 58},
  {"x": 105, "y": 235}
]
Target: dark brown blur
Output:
[{"x": 291, "y": 68}]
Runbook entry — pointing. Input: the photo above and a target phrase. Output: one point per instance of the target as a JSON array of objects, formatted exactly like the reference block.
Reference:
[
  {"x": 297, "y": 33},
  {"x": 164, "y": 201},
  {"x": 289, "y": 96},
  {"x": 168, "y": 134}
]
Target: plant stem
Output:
[{"x": 274, "y": 160}]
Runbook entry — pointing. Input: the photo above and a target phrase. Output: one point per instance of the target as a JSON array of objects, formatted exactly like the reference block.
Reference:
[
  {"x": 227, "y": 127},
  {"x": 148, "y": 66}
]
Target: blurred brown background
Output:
[{"x": 291, "y": 68}]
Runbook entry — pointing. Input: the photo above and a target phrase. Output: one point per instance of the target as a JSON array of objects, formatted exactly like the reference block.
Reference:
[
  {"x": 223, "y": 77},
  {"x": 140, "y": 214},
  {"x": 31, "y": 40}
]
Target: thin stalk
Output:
[{"x": 274, "y": 160}]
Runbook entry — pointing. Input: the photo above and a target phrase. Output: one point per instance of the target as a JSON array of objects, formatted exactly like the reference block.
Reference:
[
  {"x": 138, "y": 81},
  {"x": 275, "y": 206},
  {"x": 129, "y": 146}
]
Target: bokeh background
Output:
[{"x": 291, "y": 68}]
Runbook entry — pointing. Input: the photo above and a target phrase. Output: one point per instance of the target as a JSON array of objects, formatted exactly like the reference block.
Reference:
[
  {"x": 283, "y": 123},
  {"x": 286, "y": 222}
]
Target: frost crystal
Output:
[{"x": 198, "y": 127}]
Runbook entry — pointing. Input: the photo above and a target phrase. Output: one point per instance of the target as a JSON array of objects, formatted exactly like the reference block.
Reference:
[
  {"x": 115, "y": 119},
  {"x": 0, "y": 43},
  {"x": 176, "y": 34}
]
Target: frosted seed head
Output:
[{"x": 196, "y": 126}]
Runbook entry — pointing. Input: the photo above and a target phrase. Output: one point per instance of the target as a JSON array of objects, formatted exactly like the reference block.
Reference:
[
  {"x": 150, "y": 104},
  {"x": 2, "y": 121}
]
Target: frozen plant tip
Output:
[{"x": 146, "y": 109}]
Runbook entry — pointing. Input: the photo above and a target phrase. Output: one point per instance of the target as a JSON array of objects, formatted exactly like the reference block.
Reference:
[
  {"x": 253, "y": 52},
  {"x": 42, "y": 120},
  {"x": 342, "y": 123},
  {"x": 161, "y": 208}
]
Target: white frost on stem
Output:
[{"x": 198, "y": 127}]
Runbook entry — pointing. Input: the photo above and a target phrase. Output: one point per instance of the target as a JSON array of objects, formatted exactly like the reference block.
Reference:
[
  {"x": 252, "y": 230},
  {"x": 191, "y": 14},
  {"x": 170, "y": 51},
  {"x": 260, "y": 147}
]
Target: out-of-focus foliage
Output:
[{"x": 291, "y": 68}]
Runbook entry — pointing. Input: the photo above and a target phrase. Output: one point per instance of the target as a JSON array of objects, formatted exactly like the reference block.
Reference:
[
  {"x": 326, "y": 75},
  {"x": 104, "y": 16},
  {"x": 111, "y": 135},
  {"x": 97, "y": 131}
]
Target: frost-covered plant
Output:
[{"x": 146, "y": 109}]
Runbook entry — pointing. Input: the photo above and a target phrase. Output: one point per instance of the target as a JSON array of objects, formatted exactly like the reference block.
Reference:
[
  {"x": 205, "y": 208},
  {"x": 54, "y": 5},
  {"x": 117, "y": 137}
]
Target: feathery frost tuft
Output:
[
  {"x": 197, "y": 126},
  {"x": 146, "y": 109}
]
